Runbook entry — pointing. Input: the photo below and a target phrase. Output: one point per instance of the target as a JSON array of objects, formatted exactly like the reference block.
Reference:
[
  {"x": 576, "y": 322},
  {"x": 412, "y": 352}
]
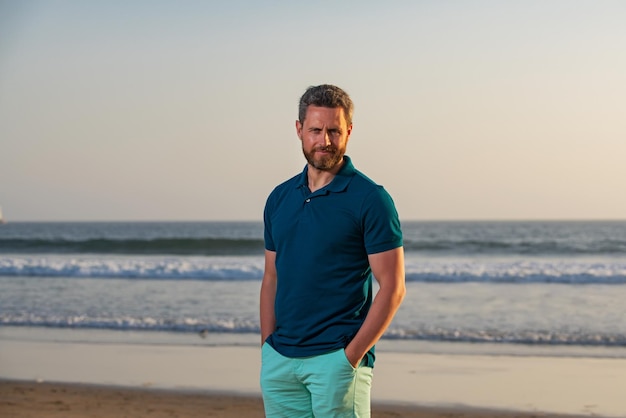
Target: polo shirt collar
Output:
[{"x": 341, "y": 180}]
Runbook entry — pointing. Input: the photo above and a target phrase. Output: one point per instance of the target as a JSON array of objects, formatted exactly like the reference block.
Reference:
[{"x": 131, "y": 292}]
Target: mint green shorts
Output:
[{"x": 319, "y": 386}]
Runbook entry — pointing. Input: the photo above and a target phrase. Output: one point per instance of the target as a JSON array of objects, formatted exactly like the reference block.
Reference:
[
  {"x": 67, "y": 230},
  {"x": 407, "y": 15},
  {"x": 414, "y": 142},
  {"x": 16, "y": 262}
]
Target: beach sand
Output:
[
  {"x": 43, "y": 400},
  {"x": 86, "y": 379}
]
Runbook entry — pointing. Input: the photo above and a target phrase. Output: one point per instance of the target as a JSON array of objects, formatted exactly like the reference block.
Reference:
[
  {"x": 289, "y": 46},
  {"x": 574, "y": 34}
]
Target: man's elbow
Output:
[
  {"x": 396, "y": 291},
  {"x": 399, "y": 293}
]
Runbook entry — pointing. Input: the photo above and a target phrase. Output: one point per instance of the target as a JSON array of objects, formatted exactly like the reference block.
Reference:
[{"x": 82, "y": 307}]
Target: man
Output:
[{"x": 327, "y": 231}]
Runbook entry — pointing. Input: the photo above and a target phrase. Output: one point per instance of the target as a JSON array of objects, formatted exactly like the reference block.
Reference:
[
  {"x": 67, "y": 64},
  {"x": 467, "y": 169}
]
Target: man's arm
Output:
[
  {"x": 388, "y": 269},
  {"x": 268, "y": 295}
]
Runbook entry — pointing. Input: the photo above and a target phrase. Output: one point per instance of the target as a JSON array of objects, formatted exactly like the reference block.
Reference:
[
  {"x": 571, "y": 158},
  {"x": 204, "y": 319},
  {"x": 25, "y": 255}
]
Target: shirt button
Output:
[{"x": 308, "y": 200}]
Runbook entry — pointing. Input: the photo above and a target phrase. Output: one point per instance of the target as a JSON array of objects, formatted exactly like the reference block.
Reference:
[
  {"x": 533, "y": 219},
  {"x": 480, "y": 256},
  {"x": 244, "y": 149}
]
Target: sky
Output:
[{"x": 185, "y": 110}]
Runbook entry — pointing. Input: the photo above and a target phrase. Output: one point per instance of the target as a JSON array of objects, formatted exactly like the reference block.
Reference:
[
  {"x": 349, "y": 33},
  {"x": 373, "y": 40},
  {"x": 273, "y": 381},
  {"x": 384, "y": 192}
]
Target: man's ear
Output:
[{"x": 299, "y": 129}]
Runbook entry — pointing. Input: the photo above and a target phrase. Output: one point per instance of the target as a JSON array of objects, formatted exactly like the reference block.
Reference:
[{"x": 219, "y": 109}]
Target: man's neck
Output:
[{"x": 320, "y": 178}]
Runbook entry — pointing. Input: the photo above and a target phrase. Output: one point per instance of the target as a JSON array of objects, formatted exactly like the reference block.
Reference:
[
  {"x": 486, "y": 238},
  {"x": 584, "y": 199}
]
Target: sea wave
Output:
[
  {"x": 251, "y": 268},
  {"x": 243, "y": 326},
  {"x": 174, "y": 246},
  {"x": 193, "y": 268},
  {"x": 511, "y": 337},
  {"x": 255, "y": 246},
  {"x": 519, "y": 271},
  {"x": 130, "y": 323},
  {"x": 518, "y": 247}
]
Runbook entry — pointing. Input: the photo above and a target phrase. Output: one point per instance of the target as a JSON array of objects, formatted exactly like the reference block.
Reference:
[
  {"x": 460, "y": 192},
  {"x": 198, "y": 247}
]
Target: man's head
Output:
[
  {"x": 324, "y": 126},
  {"x": 326, "y": 95}
]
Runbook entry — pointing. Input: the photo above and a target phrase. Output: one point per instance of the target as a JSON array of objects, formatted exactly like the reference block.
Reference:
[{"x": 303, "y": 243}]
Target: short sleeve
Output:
[{"x": 381, "y": 224}]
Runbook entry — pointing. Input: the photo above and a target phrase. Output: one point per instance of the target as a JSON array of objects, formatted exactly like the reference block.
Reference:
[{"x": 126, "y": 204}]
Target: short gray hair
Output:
[{"x": 326, "y": 95}]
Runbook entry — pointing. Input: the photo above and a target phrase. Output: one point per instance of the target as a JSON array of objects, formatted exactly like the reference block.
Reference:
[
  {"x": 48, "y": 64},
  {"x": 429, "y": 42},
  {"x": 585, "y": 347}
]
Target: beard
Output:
[{"x": 324, "y": 162}]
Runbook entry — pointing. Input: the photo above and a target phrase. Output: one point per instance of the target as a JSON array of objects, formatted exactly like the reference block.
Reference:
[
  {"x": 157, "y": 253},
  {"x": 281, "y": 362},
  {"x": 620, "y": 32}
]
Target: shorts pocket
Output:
[{"x": 345, "y": 359}]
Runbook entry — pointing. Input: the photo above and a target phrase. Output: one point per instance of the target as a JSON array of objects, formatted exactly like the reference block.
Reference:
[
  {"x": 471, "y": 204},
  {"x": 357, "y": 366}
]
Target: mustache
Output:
[{"x": 326, "y": 149}]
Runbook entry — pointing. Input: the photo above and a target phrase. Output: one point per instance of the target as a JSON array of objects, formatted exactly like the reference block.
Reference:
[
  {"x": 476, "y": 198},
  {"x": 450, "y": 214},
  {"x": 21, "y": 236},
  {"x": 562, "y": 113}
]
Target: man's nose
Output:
[{"x": 326, "y": 137}]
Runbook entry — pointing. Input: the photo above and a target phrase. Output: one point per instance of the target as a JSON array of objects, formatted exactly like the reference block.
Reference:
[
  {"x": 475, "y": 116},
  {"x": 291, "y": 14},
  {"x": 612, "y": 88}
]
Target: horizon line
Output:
[{"x": 260, "y": 220}]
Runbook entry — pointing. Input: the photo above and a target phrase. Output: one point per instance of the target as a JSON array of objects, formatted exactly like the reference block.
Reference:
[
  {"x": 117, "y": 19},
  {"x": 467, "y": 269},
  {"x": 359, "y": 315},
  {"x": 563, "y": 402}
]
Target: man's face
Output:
[{"x": 324, "y": 135}]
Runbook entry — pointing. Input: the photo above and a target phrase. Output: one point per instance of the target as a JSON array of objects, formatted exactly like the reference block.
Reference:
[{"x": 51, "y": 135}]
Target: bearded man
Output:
[{"x": 328, "y": 231}]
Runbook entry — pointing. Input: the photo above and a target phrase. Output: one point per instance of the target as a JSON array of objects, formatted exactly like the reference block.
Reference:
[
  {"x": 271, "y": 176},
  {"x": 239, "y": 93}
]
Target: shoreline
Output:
[{"x": 446, "y": 382}]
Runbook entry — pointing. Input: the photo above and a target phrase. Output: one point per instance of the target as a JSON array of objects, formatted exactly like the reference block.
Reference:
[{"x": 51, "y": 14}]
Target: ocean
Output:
[{"x": 489, "y": 287}]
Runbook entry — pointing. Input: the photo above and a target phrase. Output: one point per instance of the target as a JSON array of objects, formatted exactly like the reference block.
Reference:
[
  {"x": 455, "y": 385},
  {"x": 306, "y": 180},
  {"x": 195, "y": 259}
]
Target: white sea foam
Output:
[
  {"x": 251, "y": 268},
  {"x": 520, "y": 270},
  {"x": 209, "y": 268}
]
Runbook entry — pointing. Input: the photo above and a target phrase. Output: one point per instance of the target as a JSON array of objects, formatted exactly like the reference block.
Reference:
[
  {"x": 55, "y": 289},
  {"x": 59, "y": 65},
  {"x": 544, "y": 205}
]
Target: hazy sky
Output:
[{"x": 185, "y": 110}]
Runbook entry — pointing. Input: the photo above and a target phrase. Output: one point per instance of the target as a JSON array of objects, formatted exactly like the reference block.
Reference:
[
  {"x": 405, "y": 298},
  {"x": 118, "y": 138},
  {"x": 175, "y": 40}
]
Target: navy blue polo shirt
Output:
[{"x": 322, "y": 241}]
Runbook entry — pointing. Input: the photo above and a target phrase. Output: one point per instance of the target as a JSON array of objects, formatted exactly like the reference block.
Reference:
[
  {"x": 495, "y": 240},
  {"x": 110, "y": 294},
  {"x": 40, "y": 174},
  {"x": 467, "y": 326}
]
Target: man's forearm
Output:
[
  {"x": 384, "y": 308},
  {"x": 388, "y": 269},
  {"x": 267, "y": 317},
  {"x": 268, "y": 296}
]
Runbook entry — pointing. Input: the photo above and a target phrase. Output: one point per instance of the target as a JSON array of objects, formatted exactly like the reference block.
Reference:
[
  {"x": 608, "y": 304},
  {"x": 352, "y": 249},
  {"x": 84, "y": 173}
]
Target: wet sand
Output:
[{"x": 52, "y": 400}]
